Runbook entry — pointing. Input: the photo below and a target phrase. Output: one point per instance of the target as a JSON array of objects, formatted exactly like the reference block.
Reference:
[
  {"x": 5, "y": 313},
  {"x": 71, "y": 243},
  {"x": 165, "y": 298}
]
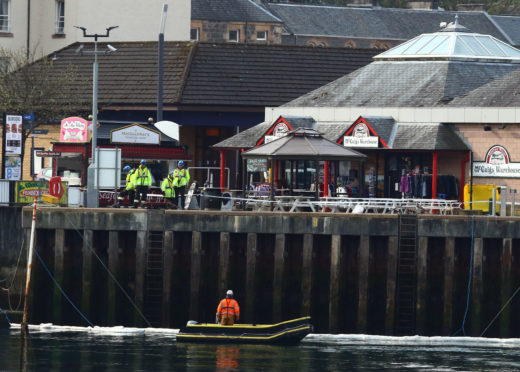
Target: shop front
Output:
[{"x": 136, "y": 142}]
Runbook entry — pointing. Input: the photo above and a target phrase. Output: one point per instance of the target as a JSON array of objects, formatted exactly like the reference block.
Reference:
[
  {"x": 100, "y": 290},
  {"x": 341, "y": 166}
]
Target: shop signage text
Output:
[
  {"x": 135, "y": 133},
  {"x": 74, "y": 129},
  {"x": 280, "y": 130},
  {"x": 497, "y": 164},
  {"x": 49, "y": 154},
  {"x": 360, "y": 137}
]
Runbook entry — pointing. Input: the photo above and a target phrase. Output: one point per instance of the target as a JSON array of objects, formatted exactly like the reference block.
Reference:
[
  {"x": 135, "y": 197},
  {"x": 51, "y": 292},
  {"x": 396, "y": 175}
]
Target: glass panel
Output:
[
  {"x": 439, "y": 45},
  {"x": 508, "y": 50},
  {"x": 418, "y": 45},
  {"x": 399, "y": 49},
  {"x": 462, "y": 49},
  {"x": 491, "y": 45},
  {"x": 60, "y": 17},
  {"x": 4, "y": 15},
  {"x": 475, "y": 46}
]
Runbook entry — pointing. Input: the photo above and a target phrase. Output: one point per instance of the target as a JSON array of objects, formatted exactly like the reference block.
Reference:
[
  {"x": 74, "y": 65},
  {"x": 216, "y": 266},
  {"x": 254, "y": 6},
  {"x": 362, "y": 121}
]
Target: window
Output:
[
  {"x": 234, "y": 36},
  {"x": 194, "y": 34},
  {"x": 261, "y": 35},
  {"x": 60, "y": 16},
  {"x": 4, "y": 15}
]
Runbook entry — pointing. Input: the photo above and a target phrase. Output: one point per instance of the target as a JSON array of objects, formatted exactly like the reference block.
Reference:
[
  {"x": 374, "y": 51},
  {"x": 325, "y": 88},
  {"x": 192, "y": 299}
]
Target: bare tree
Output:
[{"x": 38, "y": 86}]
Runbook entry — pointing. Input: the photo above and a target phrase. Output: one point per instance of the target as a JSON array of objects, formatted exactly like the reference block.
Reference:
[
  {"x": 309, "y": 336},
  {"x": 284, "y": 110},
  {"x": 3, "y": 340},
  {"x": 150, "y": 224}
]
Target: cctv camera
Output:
[{"x": 111, "y": 48}]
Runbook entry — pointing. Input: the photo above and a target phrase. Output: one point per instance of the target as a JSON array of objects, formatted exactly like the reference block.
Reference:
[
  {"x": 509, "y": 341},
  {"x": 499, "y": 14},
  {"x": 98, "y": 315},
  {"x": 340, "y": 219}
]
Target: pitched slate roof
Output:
[
  {"x": 375, "y": 23},
  {"x": 230, "y": 10},
  {"x": 382, "y": 125},
  {"x": 303, "y": 143},
  {"x": 246, "y": 139},
  {"x": 264, "y": 75},
  {"x": 207, "y": 73},
  {"x": 502, "y": 92},
  {"x": 398, "y": 136},
  {"x": 510, "y": 25},
  {"x": 300, "y": 121},
  {"x": 405, "y": 84},
  {"x": 426, "y": 136}
]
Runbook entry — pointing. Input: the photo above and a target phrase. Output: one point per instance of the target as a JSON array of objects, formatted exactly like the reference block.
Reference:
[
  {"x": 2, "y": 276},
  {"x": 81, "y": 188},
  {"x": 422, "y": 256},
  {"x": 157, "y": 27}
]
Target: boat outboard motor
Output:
[{"x": 192, "y": 322}]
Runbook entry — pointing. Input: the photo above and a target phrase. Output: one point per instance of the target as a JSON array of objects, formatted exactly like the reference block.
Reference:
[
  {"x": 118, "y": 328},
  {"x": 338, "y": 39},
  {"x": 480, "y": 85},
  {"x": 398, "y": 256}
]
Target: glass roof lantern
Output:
[{"x": 453, "y": 42}]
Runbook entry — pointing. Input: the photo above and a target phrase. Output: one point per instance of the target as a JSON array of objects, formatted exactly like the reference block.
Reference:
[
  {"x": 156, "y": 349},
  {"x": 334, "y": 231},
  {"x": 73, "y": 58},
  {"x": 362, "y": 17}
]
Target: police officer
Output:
[
  {"x": 168, "y": 186},
  {"x": 129, "y": 188},
  {"x": 142, "y": 179},
  {"x": 182, "y": 177}
]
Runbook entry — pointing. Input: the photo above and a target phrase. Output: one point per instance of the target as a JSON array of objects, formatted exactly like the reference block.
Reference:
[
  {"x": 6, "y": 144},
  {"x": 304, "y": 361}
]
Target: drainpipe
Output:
[{"x": 434, "y": 175}]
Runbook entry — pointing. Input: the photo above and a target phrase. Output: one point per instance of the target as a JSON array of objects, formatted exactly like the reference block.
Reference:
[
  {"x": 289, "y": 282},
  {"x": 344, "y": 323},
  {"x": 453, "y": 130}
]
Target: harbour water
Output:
[{"x": 51, "y": 348}]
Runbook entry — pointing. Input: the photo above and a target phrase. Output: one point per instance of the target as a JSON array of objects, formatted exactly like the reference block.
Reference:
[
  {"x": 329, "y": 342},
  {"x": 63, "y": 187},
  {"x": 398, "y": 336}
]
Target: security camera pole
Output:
[{"x": 92, "y": 189}]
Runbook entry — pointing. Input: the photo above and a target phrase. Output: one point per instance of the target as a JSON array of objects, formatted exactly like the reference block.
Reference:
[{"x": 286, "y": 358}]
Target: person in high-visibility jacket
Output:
[
  {"x": 228, "y": 311},
  {"x": 129, "y": 188},
  {"x": 183, "y": 178},
  {"x": 142, "y": 179},
  {"x": 168, "y": 186}
]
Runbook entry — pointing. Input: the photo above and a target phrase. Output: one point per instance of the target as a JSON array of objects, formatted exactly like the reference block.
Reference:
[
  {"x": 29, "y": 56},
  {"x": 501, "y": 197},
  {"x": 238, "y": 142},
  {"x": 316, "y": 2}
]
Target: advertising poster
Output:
[
  {"x": 13, "y": 135},
  {"x": 25, "y": 191},
  {"x": 13, "y": 168}
]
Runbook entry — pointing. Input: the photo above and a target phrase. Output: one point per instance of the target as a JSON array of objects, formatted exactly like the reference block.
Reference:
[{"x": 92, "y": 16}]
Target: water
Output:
[{"x": 130, "y": 349}]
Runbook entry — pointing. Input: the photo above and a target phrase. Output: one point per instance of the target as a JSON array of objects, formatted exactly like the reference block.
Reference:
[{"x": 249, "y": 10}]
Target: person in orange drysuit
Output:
[{"x": 228, "y": 311}]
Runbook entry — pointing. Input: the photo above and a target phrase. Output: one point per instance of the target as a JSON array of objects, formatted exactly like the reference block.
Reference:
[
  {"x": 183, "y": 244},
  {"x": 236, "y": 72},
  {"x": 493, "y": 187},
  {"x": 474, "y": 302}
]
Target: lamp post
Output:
[
  {"x": 92, "y": 189},
  {"x": 160, "y": 64}
]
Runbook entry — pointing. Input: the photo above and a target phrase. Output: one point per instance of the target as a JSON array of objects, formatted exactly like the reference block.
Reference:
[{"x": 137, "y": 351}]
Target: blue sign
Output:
[{"x": 28, "y": 117}]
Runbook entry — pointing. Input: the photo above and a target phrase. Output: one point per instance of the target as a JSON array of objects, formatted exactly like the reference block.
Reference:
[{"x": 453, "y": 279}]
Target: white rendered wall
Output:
[
  {"x": 137, "y": 21},
  {"x": 403, "y": 114}
]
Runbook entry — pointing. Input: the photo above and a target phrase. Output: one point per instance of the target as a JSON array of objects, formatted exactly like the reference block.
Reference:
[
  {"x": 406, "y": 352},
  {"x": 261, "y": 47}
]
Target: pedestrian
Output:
[
  {"x": 228, "y": 311},
  {"x": 129, "y": 188},
  {"x": 143, "y": 180},
  {"x": 168, "y": 186},
  {"x": 183, "y": 178}
]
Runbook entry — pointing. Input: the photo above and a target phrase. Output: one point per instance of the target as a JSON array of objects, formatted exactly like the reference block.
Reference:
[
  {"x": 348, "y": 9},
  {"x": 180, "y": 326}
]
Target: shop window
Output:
[
  {"x": 4, "y": 15},
  {"x": 60, "y": 17},
  {"x": 234, "y": 36},
  {"x": 261, "y": 35},
  {"x": 194, "y": 34}
]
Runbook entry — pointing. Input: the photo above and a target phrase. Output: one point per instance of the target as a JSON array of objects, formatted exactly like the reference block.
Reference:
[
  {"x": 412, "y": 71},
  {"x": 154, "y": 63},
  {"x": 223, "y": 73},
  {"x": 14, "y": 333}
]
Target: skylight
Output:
[{"x": 454, "y": 42}]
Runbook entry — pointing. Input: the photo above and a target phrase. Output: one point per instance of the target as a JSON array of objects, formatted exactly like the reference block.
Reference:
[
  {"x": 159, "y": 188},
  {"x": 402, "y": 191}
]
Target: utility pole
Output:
[
  {"x": 160, "y": 64},
  {"x": 92, "y": 189}
]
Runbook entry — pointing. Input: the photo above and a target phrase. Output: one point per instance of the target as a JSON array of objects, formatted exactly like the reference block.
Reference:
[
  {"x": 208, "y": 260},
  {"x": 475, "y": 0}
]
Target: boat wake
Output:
[{"x": 314, "y": 338}]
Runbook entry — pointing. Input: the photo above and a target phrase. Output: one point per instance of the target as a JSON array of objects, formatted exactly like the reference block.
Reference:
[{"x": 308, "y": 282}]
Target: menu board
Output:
[{"x": 13, "y": 135}]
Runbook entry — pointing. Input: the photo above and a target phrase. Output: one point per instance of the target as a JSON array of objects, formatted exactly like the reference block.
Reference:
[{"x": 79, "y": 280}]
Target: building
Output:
[
  {"x": 49, "y": 25},
  {"x": 212, "y": 90},
  {"x": 440, "y": 104},
  {"x": 234, "y": 21}
]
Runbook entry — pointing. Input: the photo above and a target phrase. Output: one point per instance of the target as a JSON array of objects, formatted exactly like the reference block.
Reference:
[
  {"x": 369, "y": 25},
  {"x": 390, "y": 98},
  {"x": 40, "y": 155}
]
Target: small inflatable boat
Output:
[{"x": 289, "y": 332}]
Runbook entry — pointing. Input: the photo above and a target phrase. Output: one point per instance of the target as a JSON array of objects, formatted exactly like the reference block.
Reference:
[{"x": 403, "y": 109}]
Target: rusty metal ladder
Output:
[
  {"x": 406, "y": 276},
  {"x": 154, "y": 278}
]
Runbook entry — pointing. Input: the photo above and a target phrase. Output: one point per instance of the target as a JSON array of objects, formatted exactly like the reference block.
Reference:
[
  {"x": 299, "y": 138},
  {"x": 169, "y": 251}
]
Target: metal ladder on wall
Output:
[
  {"x": 154, "y": 278},
  {"x": 406, "y": 276}
]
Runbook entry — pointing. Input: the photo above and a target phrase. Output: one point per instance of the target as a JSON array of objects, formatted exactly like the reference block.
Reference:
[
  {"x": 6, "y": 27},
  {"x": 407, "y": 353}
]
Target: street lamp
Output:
[
  {"x": 92, "y": 189},
  {"x": 160, "y": 65}
]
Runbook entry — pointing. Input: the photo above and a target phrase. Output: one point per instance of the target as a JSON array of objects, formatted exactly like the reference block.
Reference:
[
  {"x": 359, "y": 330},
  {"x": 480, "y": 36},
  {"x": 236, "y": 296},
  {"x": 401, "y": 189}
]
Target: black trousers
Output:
[
  {"x": 130, "y": 193},
  {"x": 140, "y": 193},
  {"x": 179, "y": 196}
]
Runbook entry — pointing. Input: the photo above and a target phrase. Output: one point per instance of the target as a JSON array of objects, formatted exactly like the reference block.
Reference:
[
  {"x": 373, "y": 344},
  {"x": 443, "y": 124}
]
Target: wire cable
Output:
[
  {"x": 6, "y": 317},
  {"x": 112, "y": 276},
  {"x": 502, "y": 309},
  {"x": 61, "y": 289},
  {"x": 470, "y": 278}
]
